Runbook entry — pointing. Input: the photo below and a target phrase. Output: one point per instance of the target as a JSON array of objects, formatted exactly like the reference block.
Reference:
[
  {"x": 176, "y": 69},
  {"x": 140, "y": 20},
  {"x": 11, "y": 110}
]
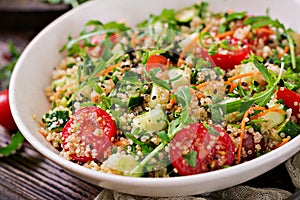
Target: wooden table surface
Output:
[{"x": 29, "y": 175}]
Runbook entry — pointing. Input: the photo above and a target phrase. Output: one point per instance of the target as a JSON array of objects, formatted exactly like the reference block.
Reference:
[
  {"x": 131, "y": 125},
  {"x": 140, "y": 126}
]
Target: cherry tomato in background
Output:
[
  {"x": 156, "y": 61},
  {"x": 94, "y": 128},
  {"x": 235, "y": 52},
  {"x": 6, "y": 119},
  {"x": 290, "y": 98},
  {"x": 211, "y": 151}
]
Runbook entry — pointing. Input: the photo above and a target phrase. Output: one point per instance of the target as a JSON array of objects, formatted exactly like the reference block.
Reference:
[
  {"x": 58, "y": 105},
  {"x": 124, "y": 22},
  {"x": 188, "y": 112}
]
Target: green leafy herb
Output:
[
  {"x": 152, "y": 76},
  {"x": 6, "y": 71},
  {"x": 56, "y": 120},
  {"x": 210, "y": 129},
  {"x": 15, "y": 143},
  {"x": 191, "y": 158},
  {"x": 241, "y": 105},
  {"x": 229, "y": 18}
]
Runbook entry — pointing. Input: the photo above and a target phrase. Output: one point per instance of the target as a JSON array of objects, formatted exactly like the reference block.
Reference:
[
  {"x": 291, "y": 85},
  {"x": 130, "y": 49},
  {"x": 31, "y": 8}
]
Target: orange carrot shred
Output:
[
  {"x": 57, "y": 93},
  {"x": 283, "y": 142},
  {"x": 233, "y": 86},
  {"x": 272, "y": 109},
  {"x": 206, "y": 29},
  {"x": 243, "y": 125},
  {"x": 225, "y": 34},
  {"x": 108, "y": 69},
  {"x": 185, "y": 49},
  {"x": 202, "y": 85},
  {"x": 286, "y": 50}
]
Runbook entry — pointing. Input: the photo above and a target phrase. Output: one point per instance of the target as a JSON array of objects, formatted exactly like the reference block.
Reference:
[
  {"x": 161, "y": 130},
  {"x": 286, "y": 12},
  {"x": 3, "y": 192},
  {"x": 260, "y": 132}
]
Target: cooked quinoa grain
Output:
[{"x": 190, "y": 96}]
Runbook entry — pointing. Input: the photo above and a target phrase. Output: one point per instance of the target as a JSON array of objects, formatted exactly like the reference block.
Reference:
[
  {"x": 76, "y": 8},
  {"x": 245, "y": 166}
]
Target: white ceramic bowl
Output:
[{"x": 33, "y": 71}]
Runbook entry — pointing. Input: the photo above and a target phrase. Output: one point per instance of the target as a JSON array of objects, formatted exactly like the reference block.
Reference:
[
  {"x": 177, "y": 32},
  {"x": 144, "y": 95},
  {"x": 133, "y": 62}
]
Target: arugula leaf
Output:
[
  {"x": 15, "y": 143},
  {"x": 152, "y": 76},
  {"x": 241, "y": 105},
  {"x": 229, "y": 18},
  {"x": 191, "y": 158}
]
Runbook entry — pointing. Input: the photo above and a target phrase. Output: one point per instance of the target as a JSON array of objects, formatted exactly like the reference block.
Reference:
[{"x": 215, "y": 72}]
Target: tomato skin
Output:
[
  {"x": 209, "y": 148},
  {"x": 289, "y": 98},
  {"x": 227, "y": 59},
  {"x": 87, "y": 127},
  {"x": 6, "y": 118},
  {"x": 156, "y": 61}
]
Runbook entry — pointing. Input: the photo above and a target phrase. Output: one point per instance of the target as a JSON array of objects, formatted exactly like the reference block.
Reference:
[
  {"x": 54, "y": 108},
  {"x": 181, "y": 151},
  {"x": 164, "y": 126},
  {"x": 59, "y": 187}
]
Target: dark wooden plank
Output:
[{"x": 28, "y": 175}]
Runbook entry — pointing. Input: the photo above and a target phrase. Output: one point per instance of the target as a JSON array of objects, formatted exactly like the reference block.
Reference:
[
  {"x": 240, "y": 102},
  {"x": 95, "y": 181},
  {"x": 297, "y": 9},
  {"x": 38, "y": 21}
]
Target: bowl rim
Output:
[{"x": 280, "y": 154}]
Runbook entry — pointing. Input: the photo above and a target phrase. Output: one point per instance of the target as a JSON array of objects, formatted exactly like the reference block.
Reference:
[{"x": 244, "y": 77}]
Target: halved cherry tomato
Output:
[
  {"x": 156, "y": 61},
  {"x": 290, "y": 98},
  {"x": 228, "y": 58},
  {"x": 6, "y": 119},
  {"x": 90, "y": 128},
  {"x": 212, "y": 151}
]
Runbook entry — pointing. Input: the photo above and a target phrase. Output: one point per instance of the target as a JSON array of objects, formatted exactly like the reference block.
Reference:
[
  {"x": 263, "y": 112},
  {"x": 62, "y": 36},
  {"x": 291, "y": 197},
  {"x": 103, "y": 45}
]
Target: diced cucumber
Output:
[
  {"x": 182, "y": 77},
  {"x": 154, "y": 120},
  {"x": 134, "y": 100},
  {"x": 186, "y": 15},
  {"x": 122, "y": 164},
  {"x": 59, "y": 82},
  {"x": 289, "y": 129},
  {"x": 159, "y": 95},
  {"x": 272, "y": 119}
]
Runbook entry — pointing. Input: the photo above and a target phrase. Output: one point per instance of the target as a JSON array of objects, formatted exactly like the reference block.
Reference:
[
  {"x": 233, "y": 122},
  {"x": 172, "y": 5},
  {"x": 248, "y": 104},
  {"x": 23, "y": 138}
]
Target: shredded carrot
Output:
[
  {"x": 171, "y": 104},
  {"x": 42, "y": 124},
  {"x": 225, "y": 34},
  {"x": 241, "y": 76},
  {"x": 284, "y": 141},
  {"x": 272, "y": 109},
  {"x": 264, "y": 30},
  {"x": 185, "y": 49},
  {"x": 286, "y": 50},
  {"x": 57, "y": 93},
  {"x": 133, "y": 40},
  {"x": 108, "y": 69},
  {"x": 122, "y": 143},
  {"x": 233, "y": 86},
  {"x": 243, "y": 125},
  {"x": 200, "y": 95},
  {"x": 206, "y": 29},
  {"x": 202, "y": 85},
  {"x": 141, "y": 39}
]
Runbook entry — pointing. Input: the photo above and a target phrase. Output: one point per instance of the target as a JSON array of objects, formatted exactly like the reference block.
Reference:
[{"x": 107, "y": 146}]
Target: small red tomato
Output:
[
  {"x": 156, "y": 61},
  {"x": 6, "y": 119},
  {"x": 233, "y": 55},
  {"x": 290, "y": 98},
  {"x": 210, "y": 151},
  {"x": 87, "y": 135}
]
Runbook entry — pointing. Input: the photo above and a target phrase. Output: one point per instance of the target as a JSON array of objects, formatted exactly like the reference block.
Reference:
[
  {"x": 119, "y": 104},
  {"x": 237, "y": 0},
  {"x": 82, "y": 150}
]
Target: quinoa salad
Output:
[{"x": 184, "y": 92}]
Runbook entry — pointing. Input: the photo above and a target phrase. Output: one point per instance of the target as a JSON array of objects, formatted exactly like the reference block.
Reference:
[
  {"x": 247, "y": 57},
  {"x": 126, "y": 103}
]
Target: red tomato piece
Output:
[
  {"x": 228, "y": 58},
  {"x": 91, "y": 128},
  {"x": 290, "y": 98},
  {"x": 6, "y": 118},
  {"x": 212, "y": 151},
  {"x": 156, "y": 61}
]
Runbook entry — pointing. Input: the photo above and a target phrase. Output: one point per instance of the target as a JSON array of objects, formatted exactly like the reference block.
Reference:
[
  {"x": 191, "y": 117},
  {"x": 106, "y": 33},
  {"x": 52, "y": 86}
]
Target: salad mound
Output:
[{"x": 184, "y": 92}]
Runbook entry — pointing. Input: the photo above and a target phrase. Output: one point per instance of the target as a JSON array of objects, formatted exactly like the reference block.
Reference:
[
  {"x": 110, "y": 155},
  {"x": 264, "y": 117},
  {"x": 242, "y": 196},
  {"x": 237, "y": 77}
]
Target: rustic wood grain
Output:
[{"x": 28, "y": 175}]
